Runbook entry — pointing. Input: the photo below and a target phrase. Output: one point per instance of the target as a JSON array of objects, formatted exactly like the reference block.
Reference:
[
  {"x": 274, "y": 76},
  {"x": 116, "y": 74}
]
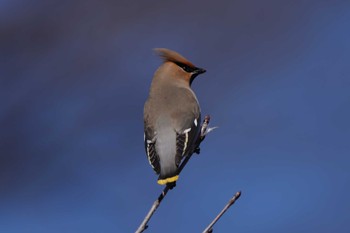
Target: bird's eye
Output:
[{"x": 187, "y": 69}]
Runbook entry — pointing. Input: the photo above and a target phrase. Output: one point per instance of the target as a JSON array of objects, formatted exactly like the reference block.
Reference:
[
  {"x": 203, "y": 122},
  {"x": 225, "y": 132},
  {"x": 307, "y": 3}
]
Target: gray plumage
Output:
[{"x": 171, "y": 115}]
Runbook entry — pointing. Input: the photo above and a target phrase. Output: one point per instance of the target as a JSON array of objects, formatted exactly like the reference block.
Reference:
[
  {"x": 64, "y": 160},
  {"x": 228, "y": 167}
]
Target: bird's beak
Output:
[{"x": 199, "y": 71}]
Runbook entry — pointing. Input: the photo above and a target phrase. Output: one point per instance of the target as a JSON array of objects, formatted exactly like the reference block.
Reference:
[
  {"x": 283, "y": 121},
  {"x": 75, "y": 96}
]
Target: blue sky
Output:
[{"x": 75, "y": 75}]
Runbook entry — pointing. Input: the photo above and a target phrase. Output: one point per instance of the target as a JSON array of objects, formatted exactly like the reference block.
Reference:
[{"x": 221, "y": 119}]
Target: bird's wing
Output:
[
  {"x": 150, "y": 138},
  {"x": 150, "y": 147},
  {"x": 185, "y": 140},
  {"x": 188, "y": 127}
]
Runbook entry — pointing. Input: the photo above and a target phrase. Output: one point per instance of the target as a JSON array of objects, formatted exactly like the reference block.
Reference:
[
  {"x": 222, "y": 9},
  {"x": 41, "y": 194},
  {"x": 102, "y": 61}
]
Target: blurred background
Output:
[{"x": 74, "y": 76}]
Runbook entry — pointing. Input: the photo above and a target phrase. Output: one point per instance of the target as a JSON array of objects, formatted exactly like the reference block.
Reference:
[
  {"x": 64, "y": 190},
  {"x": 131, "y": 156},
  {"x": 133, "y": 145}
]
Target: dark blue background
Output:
[{"x": 75, "y": 75}]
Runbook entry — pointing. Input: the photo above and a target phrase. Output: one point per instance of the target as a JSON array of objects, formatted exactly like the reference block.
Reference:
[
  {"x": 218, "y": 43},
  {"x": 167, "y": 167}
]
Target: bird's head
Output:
[{"x": 179, "y": 65}]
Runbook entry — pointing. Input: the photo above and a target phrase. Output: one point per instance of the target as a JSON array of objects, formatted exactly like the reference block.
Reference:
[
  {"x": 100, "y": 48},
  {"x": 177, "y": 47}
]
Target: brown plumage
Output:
[
  {"x": 171, "y": 115},
  {"x": 172, "y": 56}
]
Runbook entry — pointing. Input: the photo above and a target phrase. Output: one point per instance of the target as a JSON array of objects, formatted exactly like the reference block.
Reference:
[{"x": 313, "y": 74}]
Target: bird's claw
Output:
[{"x": 197, "y": 150}]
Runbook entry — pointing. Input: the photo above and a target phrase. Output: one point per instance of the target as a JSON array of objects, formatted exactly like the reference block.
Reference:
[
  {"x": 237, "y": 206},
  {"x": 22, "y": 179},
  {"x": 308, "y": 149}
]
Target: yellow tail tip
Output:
[{"x": 168, "y": 180}]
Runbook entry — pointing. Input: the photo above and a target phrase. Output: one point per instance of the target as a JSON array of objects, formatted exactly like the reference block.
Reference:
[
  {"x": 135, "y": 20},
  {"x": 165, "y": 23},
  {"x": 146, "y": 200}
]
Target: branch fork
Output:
[{"x": 204, "y": 131}]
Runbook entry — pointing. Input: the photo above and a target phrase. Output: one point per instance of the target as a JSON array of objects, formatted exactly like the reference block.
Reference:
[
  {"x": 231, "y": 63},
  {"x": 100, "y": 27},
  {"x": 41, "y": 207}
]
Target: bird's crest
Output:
[{"x": 169, "y": 55}]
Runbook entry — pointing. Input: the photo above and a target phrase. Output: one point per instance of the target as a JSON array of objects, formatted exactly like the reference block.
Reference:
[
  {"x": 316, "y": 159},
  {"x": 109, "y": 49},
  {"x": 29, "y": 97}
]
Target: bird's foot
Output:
[
  {"x": 197, "y": 150},
  {"x": 171, "y": 185}
]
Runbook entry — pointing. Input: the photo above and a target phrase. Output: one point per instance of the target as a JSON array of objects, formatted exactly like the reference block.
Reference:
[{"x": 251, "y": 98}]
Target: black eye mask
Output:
[
  {"x": 186, "y": 68},
  {"x": 195, "y": 71}
]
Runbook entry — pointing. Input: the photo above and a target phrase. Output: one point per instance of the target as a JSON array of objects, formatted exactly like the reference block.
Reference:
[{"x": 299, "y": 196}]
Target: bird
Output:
[{"x": 172, "y": 116}]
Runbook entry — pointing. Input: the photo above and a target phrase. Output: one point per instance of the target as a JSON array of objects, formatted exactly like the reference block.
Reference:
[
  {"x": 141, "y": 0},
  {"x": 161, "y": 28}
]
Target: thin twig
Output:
[
  {"x": 203, "y": 133},
  {"x": 153, "y": 209},
  {"x": 209, "y": 228}
]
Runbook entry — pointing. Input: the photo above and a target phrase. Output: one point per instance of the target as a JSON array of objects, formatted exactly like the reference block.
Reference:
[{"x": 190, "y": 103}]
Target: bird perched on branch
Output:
[{"x": 171, "y": 116}]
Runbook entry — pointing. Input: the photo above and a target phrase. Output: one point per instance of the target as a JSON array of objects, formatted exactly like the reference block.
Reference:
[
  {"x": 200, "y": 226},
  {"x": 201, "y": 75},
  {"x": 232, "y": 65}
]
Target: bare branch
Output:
[
  {"x": 204, "y": 131},
  {"x": 209, "y": 228},
  {"x": 153, "y": 209}
]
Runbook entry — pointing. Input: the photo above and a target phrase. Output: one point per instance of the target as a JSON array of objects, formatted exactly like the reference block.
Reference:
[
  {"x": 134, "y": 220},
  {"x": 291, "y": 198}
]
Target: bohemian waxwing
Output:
[{"x": 171, "y": 115}]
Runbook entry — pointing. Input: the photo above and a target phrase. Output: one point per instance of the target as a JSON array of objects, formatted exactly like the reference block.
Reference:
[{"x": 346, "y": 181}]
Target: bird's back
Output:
[{"x": 171, "y": 115}]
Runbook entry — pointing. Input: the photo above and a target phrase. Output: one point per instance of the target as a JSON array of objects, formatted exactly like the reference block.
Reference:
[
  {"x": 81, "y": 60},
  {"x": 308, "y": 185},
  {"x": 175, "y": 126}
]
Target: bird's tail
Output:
[
  {"x": 170, "y": 182},
  {"x": 168, "y": 179},
  {"x": 166, "y": 149}
]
